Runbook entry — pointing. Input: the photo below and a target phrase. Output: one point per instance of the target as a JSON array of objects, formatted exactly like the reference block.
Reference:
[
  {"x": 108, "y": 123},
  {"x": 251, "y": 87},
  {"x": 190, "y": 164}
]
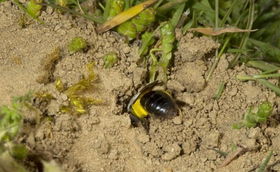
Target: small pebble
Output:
[
  {"x": 173, "y": 151},
  {"x": 143, "y": 138},
  {"x": 64, "y": 97},
  {"x": 233, "y": 91},
  {"x": 189, "y": 99},
  {"x": 114, "y": 155},
  {"x": 177, "y": 120}
]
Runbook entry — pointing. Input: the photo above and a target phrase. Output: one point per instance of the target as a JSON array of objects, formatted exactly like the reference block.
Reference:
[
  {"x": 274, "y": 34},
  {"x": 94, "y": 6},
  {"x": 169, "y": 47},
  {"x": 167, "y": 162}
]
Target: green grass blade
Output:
[
  {"x": 269, "y": 85},
  {"x": 169, "y": 5},
  {"x": 107, "y": 9},
  {"x": 246, "y": 35},
  {"x": 228, "y": 13},
  {"x": 216, "y": 14},
  {"x": 272, "y": 53},
  {"x": 220, "y": 90},
  {"x": 260, "y": 76},
  {"x": 177, "y": 15},
  {"x": 190, "y": 23},
  {"x": 264, "y": 163},
  {"x": 262, "y": 65}
]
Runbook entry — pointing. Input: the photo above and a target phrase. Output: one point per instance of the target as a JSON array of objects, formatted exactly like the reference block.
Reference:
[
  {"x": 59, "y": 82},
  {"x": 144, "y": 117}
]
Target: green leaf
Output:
[
  {"x": 144, "y": 19},
  {"x": 147, "y": 40},
  {"x": 167, "y": 33},
  {"x": 127, "y": 29}
]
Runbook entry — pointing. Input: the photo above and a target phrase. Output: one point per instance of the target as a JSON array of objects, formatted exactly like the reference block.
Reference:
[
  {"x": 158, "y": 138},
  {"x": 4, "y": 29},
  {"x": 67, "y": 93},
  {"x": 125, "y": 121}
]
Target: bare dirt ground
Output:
[{"x": 103, "y": 139}]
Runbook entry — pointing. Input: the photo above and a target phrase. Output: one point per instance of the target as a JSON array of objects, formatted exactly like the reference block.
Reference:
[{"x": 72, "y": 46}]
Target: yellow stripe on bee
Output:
[{"x": 138, "y": 109}]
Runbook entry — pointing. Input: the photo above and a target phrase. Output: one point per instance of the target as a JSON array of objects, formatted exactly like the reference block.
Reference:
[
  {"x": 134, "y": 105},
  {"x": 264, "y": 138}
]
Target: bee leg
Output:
[
  {"x": 146, "y": 124},
  {"x": 134, "y": 120}
]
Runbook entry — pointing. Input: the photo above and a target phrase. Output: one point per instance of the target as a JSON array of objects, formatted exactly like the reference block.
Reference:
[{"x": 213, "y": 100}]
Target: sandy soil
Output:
[{"x": 103, "y": 139}]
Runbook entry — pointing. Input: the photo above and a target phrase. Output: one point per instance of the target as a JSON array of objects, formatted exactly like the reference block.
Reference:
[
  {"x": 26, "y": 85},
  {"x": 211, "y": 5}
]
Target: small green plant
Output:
[
  {"x": 256, "y": 115},
  {"x": 269, "y": 71},
  {"x": 10, "y": 125},
  {"x": 110, "y": 59},
  {"x": 77, "y": 44},
  {"x": 11, "y": 118}
]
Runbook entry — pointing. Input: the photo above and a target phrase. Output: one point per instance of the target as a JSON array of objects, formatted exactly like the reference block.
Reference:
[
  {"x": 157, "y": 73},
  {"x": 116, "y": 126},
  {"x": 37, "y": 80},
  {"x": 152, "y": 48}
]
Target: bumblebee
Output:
[{"x": 148, "y": 102}]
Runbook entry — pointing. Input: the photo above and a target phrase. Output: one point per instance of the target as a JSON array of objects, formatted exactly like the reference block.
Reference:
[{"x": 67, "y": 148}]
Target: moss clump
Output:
[
  {"x": 34, "y": 7},
  {"x": 256, "y": 115},
  {"x": 78, "y": 103},
  {"x": 110, "y": 59},
  {"x": 77, "y": 44}
]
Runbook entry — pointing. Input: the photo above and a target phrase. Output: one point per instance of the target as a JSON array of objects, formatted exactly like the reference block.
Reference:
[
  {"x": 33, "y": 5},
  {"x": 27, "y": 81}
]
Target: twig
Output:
[{"x": 232, "y": 156}]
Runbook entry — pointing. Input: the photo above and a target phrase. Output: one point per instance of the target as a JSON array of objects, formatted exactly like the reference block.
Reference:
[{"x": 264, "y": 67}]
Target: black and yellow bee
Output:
[{"x": 148, "y": 102}]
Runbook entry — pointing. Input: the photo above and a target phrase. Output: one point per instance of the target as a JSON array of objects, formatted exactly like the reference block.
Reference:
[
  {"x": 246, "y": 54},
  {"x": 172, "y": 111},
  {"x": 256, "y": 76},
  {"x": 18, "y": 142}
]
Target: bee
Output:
[{"x": 149, "y": 102}]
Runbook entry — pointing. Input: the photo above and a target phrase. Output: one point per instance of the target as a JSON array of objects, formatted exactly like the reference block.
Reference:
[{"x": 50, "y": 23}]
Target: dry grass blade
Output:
[
  {"x": 219, "y": 31},
  {"x": 124, "y": 16}
]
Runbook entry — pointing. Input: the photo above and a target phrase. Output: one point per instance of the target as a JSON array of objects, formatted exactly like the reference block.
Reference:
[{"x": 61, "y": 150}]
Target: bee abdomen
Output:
[{"x": 159, "y": 103}]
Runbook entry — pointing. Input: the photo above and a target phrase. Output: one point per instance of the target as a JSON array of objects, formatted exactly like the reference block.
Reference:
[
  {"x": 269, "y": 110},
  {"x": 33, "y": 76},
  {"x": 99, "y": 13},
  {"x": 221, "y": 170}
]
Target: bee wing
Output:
[{"x": 124, "y": 16}]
